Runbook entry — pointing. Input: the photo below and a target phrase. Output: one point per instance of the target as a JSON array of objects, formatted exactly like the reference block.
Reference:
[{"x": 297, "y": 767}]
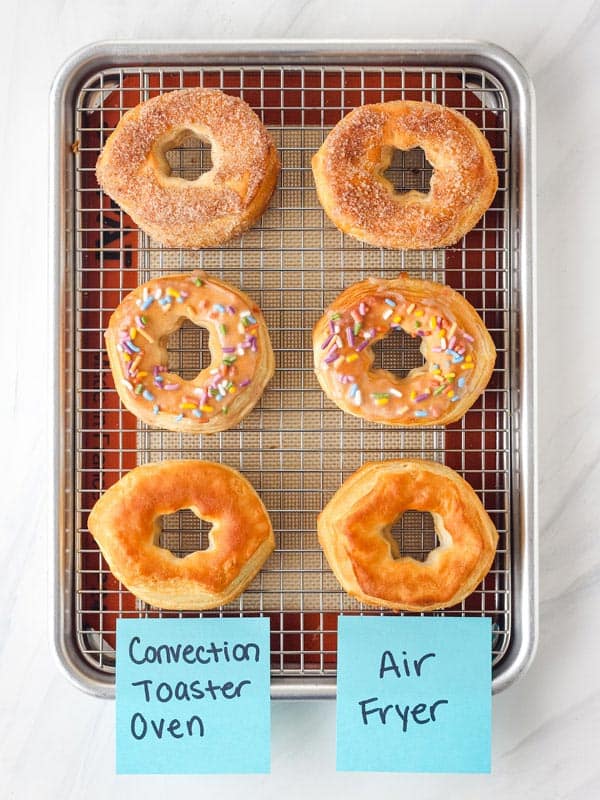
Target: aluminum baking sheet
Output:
[{"x": 296, "y": 447}]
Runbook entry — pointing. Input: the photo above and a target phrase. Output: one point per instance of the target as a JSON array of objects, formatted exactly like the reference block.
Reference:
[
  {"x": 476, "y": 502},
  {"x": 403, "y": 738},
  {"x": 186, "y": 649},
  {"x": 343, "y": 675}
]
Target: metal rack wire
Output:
[{"x": 295, "y": 447}]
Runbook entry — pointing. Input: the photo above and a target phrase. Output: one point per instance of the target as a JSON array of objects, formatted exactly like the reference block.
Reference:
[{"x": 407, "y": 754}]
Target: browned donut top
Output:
[
  {"x": 355, "y": 532},
  {"x": 362, "y": 202},
  {"x": 423, "y": 582},
  {"x": 133, "y": 169},
  {"x": 123, "y": 522}
]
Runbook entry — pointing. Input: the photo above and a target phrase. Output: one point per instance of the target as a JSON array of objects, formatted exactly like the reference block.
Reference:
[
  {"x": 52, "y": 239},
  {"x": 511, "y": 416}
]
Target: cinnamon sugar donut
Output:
[
  {"x": 358, "y": 198},
  {"x": 458, "y": 351},
  {"x": 124, "y": 523},
  {"x": 220, "y": 395},
  {"x": 355, "y": 534},
  {"x": 218, "y": 205}
]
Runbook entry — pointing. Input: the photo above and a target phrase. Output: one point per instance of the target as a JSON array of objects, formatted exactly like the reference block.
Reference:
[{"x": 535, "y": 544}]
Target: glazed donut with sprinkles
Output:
[
  {"x": 220, "y": 395},
  {"x": 458, "y": 351}
]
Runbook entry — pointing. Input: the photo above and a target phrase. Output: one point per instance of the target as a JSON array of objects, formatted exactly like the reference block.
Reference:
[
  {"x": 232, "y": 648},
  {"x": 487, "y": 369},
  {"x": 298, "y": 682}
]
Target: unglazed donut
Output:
[
  {"x": 241, "y": 365},
  {"x": 355, "y": 534},
  {"x": 359, "y": 199},
  {"x": 219, "y": 204},
  {"x": 124, "y": 523},
  {"x": 458, "y": 351}
]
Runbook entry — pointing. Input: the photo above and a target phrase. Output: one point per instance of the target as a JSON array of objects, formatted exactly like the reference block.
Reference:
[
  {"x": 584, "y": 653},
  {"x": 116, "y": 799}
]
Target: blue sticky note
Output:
[
  {"x": 193, "y": 696},
  {"x": 414, "y": 694}
]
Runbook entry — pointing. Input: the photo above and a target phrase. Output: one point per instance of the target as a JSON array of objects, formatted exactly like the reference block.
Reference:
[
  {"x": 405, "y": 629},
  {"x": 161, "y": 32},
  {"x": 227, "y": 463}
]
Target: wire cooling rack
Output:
[{"x": 295, "y": 447}]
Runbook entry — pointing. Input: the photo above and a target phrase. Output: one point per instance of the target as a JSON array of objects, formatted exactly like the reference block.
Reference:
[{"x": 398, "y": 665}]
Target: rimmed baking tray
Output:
[{"x": 295, "y": 447}]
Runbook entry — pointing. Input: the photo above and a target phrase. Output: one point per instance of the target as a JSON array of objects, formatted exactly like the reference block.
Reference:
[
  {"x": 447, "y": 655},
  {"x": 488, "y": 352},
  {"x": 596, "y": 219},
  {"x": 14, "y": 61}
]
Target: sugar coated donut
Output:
[
  {"x": 124, "y": 523},
  {"x": 355, "y": 533},
  {"x": 228, "y": 199},
  {"x": 220, "y": 395},
  {"x": 359, "y": 199},
  {"x": 458, "y": 351}
]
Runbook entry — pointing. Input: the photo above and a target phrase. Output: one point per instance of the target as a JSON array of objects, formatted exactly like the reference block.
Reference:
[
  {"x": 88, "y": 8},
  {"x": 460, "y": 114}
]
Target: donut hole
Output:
[
  {"x": 397, "y": 353},
  {"x": 188, "y": 350},
  {"x": 408, "y": 171},
  {"x": 183, "y": 533},
  {"x": 188, "y": 156},
  {"x": 413, "y": 535}
]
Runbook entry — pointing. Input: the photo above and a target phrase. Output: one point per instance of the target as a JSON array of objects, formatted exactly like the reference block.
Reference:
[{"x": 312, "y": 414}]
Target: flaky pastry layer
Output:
[
  {"x": 219, "y": 204},
  {"x": 125, "y": 523},
  {"x": 458, "y": 352},
  {"x": 355, "y": 534},
  {"x": 226, "y": 390},
  {"x": 358, "y": 198}
]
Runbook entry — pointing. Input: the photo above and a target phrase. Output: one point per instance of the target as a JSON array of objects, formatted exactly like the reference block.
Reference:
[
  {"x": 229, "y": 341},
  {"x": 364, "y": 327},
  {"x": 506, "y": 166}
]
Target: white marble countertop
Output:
[{"x": 59, "y": 742}]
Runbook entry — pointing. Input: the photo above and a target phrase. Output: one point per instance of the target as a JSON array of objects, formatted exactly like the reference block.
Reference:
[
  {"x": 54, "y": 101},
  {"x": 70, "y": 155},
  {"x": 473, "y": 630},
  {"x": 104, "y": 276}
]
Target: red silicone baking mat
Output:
[{"x": 296, "y": 447}]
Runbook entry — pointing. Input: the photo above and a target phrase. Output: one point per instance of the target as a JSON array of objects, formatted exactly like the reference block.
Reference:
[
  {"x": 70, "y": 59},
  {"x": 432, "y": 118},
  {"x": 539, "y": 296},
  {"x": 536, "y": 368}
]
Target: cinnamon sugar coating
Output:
[
  {"x": 359, "y": 199},
  {"x": 218, "y": 205}
]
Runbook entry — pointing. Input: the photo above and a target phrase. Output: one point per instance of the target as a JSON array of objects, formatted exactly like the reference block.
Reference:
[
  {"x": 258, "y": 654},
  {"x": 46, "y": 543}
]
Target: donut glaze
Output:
[
  {"x": 220, "y": 395},
  {"x": 355, "y": 534},
  {"x": 219, "y": 204},
  {"x": 361, "y": 201},
  {"x": 124, "y": 523},
  {"x": 458, "y": 351}
]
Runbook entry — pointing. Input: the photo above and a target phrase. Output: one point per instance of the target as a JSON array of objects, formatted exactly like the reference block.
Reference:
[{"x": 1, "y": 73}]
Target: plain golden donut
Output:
[
  {"x": 124, "y": 523},
  {"x": 222, "y": 393},
  {"x": 358, "y": 198},
  {"x": 458, "y": 352},
  {"x": 226, "y": 200},
  {"x": 355, "y": 534}
]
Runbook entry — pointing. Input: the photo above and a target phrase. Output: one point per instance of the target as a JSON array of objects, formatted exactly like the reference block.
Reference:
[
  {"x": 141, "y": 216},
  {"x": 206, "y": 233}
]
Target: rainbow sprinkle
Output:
[
  {"x": 433, "y": 387},
  {"x": 238, "y": 343}
]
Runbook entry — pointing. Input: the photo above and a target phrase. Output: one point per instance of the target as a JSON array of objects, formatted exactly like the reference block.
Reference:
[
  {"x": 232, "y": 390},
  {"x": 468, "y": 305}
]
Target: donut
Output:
[
  {"x": 220, "y": 395},
  {"x": 361, "y": 201},
  {"x": 458, "y": 351},
  {"x": 133, "y": 169},
  {"x": 125, "y": 524},
  {"x": 355, "y": 534}
]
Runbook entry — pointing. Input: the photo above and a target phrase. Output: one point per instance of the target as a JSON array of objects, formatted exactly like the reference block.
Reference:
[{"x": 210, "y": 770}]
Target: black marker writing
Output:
[
  {"x": 389, "y": 664},
  {"x": 182, "y": 690},
  {"x": 140, "y": 727},
  {"x": 421, "y": 713},
  {"x": 191, "y": 654}
]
